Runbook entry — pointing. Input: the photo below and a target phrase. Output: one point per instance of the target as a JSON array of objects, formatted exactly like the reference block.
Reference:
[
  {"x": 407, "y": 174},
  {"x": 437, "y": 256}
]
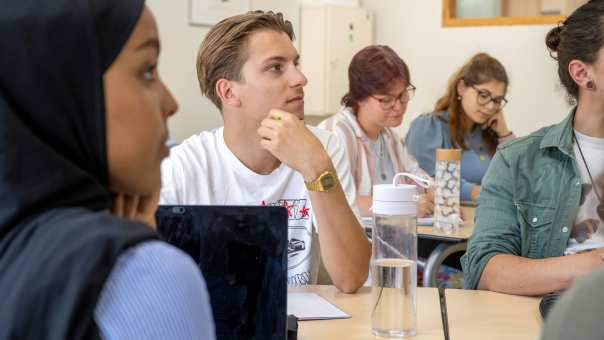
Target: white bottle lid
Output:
[
  {"x": 391, "y": 199},
  {"x": 398, "y": 199}
]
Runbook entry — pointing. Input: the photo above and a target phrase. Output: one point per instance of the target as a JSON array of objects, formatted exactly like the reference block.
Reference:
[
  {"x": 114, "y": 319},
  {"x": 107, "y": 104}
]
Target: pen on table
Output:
[{"x": 443, "y": 310}]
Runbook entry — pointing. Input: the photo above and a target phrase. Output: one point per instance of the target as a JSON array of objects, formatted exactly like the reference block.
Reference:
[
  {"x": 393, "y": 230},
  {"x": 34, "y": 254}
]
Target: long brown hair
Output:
[
  {"x": 373, "y": 70},
  {"x": 480, "y": 69}
]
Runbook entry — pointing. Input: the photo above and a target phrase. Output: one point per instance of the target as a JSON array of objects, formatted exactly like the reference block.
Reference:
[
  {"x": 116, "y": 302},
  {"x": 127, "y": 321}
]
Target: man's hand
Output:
[
  {"x": 136, "y": 208},
  {"x": 511, "y": 274},
  {"x": 592, "y": 259},
  {"x": 286, "y": 137}
]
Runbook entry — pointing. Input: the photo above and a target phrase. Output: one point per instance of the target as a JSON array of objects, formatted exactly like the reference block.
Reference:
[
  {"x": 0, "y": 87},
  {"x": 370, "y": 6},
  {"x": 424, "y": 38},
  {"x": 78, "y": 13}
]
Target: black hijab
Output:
[{"x": 58, "y": 242}]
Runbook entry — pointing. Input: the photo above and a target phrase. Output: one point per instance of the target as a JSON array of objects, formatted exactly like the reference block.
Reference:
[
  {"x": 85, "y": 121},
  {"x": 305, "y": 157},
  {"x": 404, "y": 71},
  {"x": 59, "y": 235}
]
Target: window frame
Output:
[{"x": 450, "y": 20}]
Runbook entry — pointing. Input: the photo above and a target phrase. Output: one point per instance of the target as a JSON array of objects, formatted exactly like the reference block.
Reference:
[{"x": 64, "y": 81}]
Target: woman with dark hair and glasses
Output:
[
  {"x": 467, "y": 117},
  {"x": 538, "y": 222},
  {"x": 379, "y": 90}
]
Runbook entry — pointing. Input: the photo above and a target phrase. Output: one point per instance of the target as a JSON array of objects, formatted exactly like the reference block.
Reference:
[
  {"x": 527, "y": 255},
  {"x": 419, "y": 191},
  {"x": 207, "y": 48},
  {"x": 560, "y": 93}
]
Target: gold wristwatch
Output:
[{"x": 325, "y": 182}]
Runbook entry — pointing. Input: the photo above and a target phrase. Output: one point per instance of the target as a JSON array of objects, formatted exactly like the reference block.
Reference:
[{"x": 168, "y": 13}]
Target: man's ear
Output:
[
  {"x": 579, "y": 71},
  {"x": 227, "y": 91}
]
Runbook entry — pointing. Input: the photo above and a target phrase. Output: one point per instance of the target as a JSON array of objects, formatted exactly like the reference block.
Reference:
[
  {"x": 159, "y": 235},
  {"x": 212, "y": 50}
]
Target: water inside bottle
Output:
[{"x": 393, "y": 292}]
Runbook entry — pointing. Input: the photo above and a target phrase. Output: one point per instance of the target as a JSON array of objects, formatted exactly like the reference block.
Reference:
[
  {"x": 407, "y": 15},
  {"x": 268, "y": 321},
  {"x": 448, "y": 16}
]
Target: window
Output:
[{"x": 506, "y": 12}]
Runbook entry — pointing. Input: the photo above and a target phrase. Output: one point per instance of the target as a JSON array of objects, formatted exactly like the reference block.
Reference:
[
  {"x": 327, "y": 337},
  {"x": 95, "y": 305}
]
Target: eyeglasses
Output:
[
  {"x": 387, "y": 102},
  {"x": 484, "y": 97}
]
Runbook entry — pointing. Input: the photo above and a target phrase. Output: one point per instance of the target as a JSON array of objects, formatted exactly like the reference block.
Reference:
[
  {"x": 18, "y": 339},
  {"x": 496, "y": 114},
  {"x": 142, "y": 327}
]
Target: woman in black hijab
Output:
[{"x": 82, "y": 131}]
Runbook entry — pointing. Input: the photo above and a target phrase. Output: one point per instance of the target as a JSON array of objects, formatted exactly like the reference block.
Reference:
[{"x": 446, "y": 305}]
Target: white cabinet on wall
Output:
[{"x": 330, "y": 36}]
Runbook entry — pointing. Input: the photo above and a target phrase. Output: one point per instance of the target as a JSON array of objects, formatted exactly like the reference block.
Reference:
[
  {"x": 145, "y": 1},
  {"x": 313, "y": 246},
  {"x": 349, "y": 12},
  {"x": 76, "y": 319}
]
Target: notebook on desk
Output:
[
  {"x": 242, "y": 253},
  {"x": 310, "y": 306}
]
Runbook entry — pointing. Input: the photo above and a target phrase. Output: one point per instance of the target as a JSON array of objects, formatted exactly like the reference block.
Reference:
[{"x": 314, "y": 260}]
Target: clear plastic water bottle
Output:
[
  {"x": 447, "y": 178},
  {"x": 394, "y": 260}
]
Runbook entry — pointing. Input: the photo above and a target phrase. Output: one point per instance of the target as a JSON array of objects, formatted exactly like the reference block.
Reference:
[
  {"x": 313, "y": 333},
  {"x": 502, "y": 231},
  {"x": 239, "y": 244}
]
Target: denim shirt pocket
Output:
[{"x": 536, "y": 221}]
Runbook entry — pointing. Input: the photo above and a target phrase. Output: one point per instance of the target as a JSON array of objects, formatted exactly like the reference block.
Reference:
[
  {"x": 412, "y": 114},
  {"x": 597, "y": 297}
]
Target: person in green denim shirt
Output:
[
  {"x": 533, "y": 188},
  {"x": 578, "y": 314}
]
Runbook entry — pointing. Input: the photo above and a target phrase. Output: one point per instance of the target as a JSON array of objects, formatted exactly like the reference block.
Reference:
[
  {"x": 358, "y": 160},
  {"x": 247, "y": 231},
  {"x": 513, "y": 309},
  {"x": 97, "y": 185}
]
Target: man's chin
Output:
[
  {"x": 298, "y": 111},
  {"x": 299, "y": 114}
]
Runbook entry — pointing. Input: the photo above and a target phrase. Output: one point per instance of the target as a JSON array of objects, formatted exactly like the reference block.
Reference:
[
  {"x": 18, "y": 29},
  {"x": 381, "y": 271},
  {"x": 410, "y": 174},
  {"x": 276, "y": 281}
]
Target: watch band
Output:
[
  {"x": 314, "y": 185},
  {"x": 317, "y": 184}
]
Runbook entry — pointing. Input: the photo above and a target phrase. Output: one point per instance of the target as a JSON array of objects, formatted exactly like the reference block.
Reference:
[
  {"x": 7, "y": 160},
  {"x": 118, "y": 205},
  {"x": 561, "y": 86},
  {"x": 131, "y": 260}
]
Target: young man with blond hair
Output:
[{"x": 265, "y": 154}]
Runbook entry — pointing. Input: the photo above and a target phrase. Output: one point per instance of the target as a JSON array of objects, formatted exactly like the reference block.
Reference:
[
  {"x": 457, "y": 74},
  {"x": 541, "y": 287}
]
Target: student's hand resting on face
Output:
[
  {"x": 497, "y": 124},
  {"x": 475, "y": 193},
  {"x": 425, "y": 206},
  {"x": 136, "y": 208},
  {"x": 286, "y": 137}
]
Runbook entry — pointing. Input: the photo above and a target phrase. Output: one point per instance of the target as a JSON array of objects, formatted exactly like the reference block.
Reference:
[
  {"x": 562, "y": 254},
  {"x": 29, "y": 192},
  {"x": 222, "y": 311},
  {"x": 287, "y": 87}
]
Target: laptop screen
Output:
[{"x": 242, "y": 253}]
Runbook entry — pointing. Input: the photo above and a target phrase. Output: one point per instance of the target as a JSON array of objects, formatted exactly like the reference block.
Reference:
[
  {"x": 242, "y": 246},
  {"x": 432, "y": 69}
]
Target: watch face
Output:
[{"x": 327, "y": 181}]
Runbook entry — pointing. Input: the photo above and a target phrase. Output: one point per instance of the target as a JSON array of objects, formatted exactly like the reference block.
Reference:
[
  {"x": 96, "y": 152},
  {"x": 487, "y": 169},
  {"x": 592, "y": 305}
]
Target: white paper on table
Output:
[
  {"x": 310, "y": 306},
  {"x": 425, "y": 221},
  {"x": 421, "y": 221}
]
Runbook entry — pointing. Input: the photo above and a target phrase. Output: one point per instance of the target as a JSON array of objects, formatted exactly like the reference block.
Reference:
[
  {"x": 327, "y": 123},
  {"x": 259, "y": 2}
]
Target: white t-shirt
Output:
[
  {"x": 203, "y": 171},
  {"x": 588, "y": 229}
]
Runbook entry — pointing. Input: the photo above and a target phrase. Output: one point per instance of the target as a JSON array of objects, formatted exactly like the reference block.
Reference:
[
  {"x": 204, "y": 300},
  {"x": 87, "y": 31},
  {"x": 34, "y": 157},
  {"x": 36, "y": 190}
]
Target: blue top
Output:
[
  {"x": 155, "y": 291},
  {"x": 430, "y": 131}
]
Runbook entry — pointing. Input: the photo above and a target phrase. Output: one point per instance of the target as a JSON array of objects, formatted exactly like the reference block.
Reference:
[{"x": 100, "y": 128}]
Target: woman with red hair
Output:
[{"x": 379, "y": 90}]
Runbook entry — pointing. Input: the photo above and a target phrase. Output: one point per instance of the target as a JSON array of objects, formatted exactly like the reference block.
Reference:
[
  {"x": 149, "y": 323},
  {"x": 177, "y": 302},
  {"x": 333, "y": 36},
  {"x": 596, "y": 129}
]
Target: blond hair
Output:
[{"x": 224, "y": 49}]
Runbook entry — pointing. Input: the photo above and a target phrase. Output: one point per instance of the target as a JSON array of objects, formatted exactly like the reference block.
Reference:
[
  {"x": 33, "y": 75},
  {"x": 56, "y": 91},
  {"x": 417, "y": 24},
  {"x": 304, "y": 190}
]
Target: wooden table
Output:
[{"x": 472, "y": 315}]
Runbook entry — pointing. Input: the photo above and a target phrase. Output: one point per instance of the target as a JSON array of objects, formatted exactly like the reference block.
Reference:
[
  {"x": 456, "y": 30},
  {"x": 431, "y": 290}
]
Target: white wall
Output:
[
  {"x": 180, "y": 42},
  {"x": 413, "y": 29}
]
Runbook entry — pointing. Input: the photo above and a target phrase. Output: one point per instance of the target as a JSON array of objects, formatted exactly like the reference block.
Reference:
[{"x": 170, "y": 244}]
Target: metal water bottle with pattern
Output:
[{"x": 447, "y": 176}]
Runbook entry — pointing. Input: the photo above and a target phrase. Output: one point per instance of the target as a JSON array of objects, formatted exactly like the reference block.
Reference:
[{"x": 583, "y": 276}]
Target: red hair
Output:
[{"x": 373, "y": 70}]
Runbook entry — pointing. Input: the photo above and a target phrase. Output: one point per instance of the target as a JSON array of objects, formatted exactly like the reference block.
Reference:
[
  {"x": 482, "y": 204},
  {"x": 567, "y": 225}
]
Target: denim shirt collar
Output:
[{"x": 560, "y": 135}]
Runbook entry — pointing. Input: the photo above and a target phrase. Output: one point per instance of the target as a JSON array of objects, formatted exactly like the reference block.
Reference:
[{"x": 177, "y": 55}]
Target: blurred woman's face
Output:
[
  {"x": 385, "y": 109},
  {"x": 138, "y": 105},
  {"x": 480, "y": 102}
]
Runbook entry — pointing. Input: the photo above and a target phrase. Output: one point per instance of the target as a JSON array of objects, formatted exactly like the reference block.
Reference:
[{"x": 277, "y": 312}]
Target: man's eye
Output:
[
  {"x": 276, "y": 67},
  {"x": 149, "y": 73}
]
